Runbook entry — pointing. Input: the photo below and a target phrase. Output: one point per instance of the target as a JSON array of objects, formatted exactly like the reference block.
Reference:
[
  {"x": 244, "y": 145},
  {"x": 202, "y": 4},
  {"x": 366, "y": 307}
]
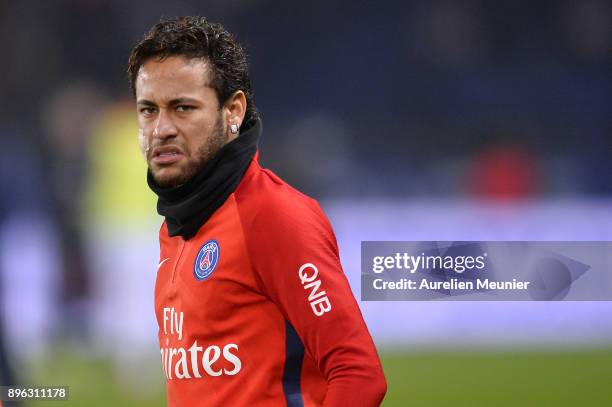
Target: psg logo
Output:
[{"x": 206, "y": 260}]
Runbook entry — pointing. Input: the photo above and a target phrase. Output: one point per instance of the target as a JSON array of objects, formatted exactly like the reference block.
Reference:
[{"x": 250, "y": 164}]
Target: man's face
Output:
[{"x": 179, "y": 117}]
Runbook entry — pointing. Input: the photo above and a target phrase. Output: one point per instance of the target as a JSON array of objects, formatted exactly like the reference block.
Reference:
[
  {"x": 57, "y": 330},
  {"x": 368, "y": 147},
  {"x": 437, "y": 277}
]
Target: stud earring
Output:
[{"x": 234, "y": 128}]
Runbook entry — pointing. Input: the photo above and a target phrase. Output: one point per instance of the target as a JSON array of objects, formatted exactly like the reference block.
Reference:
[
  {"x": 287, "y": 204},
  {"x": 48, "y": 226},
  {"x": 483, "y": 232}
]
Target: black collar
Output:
[{"x": 187, "y": 207}]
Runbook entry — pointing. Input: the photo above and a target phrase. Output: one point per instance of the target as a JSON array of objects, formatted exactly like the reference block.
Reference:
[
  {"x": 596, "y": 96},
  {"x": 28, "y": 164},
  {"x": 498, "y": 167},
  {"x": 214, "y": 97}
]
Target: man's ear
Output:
[{"x": 234, "y": 110}]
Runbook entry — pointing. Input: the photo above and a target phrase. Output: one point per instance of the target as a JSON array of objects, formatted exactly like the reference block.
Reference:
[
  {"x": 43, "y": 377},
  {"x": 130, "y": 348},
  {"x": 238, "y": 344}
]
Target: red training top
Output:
[{"x": 255, "y": 309}]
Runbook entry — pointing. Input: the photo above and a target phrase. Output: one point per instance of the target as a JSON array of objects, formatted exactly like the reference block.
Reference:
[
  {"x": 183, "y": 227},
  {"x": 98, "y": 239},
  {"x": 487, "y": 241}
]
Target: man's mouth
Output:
[{"x": 166, "y": 155}]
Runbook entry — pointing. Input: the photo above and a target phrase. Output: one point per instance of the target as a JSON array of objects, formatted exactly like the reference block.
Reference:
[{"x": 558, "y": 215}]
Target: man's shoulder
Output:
[
  {"x": 261, "y": 188},
  {"x": 265, "y": 199}
]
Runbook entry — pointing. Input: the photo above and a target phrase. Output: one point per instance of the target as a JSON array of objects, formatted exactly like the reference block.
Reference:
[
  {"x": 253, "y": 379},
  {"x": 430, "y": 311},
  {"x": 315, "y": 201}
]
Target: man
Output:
[{"x": 252, "y": 304}]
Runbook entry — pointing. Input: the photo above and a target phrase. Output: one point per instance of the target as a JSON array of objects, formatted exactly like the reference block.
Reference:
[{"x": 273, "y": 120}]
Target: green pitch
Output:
[
  {"x": 423, "y": 378},
  {"x": 513, "y": 378}
]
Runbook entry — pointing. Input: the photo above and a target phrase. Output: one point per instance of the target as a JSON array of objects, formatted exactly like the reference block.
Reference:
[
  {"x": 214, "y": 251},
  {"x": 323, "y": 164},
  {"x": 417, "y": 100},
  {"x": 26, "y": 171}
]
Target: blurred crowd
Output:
[
  {"x": 502, "y": 100},
  {"x": 425, "y": 95}
]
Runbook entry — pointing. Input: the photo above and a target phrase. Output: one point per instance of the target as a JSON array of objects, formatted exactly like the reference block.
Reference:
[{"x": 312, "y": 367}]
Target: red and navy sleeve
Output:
[{"x": 294, "y": 252}]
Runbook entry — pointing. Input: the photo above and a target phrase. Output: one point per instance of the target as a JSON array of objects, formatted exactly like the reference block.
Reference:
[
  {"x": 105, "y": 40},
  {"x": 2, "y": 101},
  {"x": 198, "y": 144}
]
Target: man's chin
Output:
[
  {"x": 168, "y": 177},
  {"x": 174, "y": 175}
]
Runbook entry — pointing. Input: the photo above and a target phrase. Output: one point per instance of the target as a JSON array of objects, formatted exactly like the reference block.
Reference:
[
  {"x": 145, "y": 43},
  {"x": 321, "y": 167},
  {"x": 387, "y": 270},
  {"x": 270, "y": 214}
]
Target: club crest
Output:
[{"x": 206, "y": 260}]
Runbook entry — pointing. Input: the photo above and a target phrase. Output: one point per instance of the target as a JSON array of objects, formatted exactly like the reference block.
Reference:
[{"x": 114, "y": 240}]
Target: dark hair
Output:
[{"x": 196, "y": 37}]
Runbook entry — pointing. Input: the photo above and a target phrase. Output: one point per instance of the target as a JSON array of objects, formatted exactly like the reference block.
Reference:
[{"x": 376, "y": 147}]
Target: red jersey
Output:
[{"x": 255, "y": 310}]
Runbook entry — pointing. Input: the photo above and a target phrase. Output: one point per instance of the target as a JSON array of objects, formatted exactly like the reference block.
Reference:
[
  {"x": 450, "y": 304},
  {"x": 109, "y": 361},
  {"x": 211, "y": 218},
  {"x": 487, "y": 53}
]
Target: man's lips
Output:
[{"x": 166, "y": 155}]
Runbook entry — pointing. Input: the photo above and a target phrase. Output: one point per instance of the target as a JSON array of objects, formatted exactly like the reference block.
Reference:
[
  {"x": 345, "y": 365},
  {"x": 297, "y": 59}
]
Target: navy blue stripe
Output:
[{"x": 294, "y": 354}]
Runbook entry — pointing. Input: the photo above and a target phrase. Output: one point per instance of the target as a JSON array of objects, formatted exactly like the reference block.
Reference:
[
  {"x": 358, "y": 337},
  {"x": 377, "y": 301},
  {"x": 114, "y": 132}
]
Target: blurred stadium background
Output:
[{"x": 407, "y": 120}]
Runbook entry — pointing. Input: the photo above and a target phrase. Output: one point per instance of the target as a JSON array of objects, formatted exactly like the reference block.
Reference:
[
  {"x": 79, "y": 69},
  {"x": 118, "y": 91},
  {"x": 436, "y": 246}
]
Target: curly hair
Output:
[{"x": 196, "y": 37}]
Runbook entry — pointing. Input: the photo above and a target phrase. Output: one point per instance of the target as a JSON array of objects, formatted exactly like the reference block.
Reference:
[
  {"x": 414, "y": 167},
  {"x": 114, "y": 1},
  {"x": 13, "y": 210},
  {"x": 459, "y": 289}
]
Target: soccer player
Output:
[{"x": 252, "y": 304}]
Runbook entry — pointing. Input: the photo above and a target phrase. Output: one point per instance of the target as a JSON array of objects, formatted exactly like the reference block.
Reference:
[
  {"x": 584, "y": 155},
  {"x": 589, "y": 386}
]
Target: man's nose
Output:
[{"x": 164, "y": 126}]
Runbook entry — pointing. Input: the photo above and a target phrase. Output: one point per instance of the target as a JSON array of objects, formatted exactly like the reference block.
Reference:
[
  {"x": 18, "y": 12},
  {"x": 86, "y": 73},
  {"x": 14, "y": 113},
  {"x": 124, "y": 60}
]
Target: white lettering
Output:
[
  {"x": 194, "y": 359},
  {"x": 318, "y": 300},
  {"x": 207, "y": 361},
  {"x": 416, "y": 261},
  {"x": 164, "y": 353},
  {"x": 230, "y": 357},
  {"x": 313, "y": 294},
  {"x": 180, "y": 369},
  {"x": 304, "y": 277},
  {"x": 179, "y": 324},
  {"x": 171, "y": 352},
  {"x": 166, "y": 318},
  {"x": 320, "y": 307},
  {"x": 377, "y": 264},
  {"x": 175, "y": 320},
  {"x": 199, "y": 360}
]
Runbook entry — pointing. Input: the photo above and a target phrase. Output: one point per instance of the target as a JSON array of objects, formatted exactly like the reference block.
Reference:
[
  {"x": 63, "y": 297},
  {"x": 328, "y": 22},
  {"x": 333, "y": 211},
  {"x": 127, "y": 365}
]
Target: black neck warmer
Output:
[{"x": 188, "y": 206}]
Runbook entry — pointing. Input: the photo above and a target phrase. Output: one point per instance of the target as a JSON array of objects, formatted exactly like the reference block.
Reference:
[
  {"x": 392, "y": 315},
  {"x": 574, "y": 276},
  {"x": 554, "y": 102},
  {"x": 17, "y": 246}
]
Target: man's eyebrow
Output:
[
  {"x": 172, "y": 102},
  {"x": 179, "y": 101}
]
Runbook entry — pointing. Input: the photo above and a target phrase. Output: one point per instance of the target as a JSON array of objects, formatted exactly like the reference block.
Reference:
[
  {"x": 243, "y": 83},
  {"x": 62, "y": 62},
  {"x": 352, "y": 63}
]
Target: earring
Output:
[{"x": 234, "y": 128}]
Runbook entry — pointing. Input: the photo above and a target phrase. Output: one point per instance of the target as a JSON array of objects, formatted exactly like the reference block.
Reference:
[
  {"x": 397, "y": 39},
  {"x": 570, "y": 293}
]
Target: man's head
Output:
[{"x": 191, "y": 83}]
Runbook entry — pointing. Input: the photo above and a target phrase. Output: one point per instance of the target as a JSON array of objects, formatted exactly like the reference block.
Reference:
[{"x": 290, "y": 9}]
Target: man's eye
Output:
[
  {"x": 147, "y": 111},
  {"x": 184, "y": 108}
]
